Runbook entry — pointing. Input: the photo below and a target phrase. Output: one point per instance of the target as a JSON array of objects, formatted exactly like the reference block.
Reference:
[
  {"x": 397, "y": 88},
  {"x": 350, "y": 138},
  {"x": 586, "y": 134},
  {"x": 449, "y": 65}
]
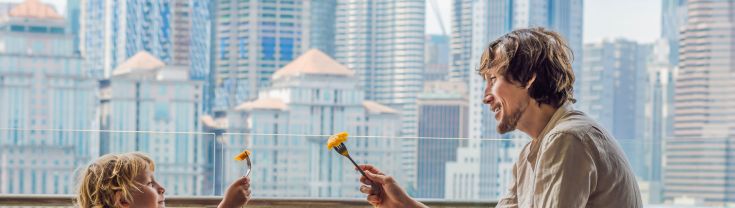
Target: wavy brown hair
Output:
[
  {"x": 524, "y": 53},
  {"x": 109, "y": 177}
]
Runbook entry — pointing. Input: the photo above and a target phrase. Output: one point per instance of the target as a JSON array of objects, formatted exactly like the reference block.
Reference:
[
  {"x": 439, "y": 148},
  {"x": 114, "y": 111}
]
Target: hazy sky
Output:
[{"x": 637, "y": 20}]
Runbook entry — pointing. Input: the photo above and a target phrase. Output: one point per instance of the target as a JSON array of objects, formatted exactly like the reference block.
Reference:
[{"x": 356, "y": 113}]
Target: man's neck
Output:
[{"x": 535, "y": 119}]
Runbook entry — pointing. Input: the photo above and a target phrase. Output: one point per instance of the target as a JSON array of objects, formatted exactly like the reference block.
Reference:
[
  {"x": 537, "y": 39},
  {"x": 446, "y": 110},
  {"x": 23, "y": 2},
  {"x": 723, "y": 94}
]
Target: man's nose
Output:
[{"x": 488, "y": 99}]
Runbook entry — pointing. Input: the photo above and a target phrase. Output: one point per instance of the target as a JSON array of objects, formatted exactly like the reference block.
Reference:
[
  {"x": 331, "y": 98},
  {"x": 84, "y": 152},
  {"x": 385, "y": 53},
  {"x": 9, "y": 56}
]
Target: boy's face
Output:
[
  {"x": 507, "y": 100},
  {"x": 150, "y": 193}
]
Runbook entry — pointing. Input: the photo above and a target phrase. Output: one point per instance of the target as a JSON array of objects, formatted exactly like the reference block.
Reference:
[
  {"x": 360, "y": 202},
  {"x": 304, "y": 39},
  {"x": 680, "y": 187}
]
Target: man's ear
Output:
[
  {"x": 120, "y": 201},
  {"x": 530, "y": 81}
]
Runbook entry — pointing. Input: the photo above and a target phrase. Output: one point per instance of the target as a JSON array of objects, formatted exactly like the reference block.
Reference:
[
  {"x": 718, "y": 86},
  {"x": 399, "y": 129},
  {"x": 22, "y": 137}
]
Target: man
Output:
[{"x": 570, "y": 162}]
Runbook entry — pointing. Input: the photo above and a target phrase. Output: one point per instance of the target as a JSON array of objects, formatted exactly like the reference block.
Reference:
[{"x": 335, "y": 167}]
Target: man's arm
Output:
[{"x": 566, "y": 174}]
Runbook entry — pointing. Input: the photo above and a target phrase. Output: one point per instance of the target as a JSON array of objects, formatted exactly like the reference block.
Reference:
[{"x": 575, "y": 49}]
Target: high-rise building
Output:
[
  {"x": 442, "y": 122},
  {"x": 615, "y": 77},
  {"x": 436, "y": 58},
  {"x": 461, "y": 40},
  {"x": 73, "y": 18},
  {"x": 661, "y": 107},
  {"x": 149, "y": 107},
  {"x": 252, "y": 40},
  {"x": 383, "y": 41},
  {"x": 45, "y": 98},
  {"x": 312, "y": 96},
  {"x": 177, "y": 31},
  {"x": 673, "y": 17},
  {"x": 114, "y": 31},
  {"x": 190, "y": 35},
  {"x": 322, "y": 22},
  {"x": 697, "y": 157}
]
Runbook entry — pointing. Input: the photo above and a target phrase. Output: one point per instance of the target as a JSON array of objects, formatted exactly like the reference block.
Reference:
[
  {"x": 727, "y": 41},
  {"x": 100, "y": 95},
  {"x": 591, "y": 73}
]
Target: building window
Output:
[
  {"x": 17, "y": 28},
  {"x": 35, "y": 29}
]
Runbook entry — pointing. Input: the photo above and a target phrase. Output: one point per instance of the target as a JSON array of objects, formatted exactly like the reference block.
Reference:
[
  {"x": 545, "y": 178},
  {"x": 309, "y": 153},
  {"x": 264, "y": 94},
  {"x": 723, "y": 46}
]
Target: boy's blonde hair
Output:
[{"x": 110, "y": 175}]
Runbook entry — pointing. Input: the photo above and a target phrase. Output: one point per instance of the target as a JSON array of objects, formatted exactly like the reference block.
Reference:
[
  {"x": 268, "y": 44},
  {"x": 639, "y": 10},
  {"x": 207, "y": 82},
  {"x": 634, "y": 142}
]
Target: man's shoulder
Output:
[{"x": 576, "y": 123}]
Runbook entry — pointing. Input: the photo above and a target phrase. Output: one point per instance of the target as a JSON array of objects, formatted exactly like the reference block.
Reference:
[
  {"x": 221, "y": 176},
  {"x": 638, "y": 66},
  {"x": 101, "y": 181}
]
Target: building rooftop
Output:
[
  {"x": 263, "y": 103},
  {"x": 141, "y": 61},
  {"x": 313, "y": 62},
  {"x": 377, "y": 108},
  {"x": 35, "y": 9}
]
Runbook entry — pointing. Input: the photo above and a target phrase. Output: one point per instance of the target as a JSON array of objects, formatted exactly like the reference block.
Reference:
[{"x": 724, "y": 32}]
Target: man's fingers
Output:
[
  {"x": 370, "y": 168},
  {"x": 365, "y": 189},
  {"x": 374, "y": 200},
  {"x": 243, "y": 180},
  {"x": 377, "y": 178},
  {"x": 366, "y": 181}
]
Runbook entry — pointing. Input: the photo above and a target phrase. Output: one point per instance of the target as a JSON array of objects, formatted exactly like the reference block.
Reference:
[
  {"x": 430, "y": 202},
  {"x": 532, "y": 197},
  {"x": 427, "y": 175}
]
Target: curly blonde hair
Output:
[{"x": 110, "y": 175}]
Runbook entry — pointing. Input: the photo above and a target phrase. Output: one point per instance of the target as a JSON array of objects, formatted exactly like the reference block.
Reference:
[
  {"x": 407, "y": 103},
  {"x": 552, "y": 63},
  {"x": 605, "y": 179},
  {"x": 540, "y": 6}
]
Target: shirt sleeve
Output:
[
  {"x": 566, "y": 172},
  {"x": 510, "y": 200}
]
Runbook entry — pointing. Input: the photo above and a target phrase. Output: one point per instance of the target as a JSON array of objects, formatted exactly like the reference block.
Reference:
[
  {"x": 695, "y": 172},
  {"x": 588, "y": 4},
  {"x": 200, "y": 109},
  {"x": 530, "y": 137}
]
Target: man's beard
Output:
[{"x": 508, "y": 123}]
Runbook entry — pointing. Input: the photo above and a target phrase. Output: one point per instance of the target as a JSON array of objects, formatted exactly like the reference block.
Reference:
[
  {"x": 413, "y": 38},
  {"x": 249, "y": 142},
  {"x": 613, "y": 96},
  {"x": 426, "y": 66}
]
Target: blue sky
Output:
[{"x": 637, "y": 20}]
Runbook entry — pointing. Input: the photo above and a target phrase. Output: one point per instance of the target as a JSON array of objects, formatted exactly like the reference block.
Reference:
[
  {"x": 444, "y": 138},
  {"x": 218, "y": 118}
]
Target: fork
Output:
[
  {"x": 250, "y": 166},
  {"x": 342, "y": 150}
]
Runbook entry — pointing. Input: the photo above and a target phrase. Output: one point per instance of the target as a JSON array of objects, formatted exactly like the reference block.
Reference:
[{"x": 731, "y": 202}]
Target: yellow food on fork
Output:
[
  {"x": 243, "y": 155},
  {"x": 337, "y": 139}
]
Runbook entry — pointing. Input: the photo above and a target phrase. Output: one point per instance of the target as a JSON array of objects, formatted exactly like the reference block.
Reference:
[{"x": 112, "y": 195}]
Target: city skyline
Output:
[
  {"x": 309, "y": 68},
  {"x": 597, "y": 14}
]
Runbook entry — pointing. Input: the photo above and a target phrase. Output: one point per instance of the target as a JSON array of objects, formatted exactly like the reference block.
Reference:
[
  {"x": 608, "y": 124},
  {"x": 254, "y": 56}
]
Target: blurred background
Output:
[{"x": 193, "y": 82}]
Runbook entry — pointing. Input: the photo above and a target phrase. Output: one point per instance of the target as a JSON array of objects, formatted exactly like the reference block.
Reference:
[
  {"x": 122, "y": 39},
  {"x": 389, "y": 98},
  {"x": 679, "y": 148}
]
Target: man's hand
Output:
[
  {"x": 390, "y": 194},
  {"x": 237, "y": 195}
]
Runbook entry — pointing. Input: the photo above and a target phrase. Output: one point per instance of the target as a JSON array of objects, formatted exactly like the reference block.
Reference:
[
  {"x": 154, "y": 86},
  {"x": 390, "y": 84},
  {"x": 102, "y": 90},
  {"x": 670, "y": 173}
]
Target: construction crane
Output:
[{"x": 437, "y": 13}]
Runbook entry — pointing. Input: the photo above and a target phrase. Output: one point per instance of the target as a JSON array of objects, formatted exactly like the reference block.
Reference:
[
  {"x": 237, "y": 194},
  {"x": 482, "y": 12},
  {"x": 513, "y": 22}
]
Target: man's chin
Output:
[{"x": 505, "y": 128}]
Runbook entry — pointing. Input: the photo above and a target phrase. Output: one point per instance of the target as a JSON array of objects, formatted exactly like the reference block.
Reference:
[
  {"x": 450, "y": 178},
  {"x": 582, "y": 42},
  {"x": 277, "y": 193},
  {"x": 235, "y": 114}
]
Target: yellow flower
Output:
[
  {"x": 337, "y": 139},
  {"x": 243, "y": 155}
]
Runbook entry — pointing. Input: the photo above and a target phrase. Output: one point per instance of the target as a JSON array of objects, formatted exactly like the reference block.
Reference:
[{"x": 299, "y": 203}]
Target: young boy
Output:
[{"x": 126, "y": 180}]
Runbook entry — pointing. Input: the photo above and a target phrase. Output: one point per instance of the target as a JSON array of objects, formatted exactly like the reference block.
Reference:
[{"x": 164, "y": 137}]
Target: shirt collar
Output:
[{"x": 558, "y": 114}]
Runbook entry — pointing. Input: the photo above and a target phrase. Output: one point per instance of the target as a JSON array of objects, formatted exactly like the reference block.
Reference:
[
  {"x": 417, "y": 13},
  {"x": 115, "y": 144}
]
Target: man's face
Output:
[{"x": 507, "y": 100}]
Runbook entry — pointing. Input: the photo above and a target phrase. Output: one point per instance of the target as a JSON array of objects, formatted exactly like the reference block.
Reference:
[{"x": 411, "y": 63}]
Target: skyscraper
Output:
[
  {"x": 673, "y": 17},
  {"x": 176, "y": 31},
  {"x": 322, "y": 22},
  {"x": 442, "y": 121},
  {"x": 383, "y": 41},
  {"x": 42, "y": 87},
  {"x": 661, "y": 76},
  {"x": 114, "y": 31},
  {"x": 698, "y": 156},
  {"x": 73, "y": 18},
  {"x": 615, "y": 77},
  {"x": 436, "y": 58},
  {"x": 461, "y": 40},
  {"x": 253, "y": 39},
  {"x": 190, "y": 35}
]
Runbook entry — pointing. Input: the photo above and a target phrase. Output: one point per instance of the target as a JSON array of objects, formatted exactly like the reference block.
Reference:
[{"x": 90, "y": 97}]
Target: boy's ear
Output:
[{"x": 120, "y": 201}]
